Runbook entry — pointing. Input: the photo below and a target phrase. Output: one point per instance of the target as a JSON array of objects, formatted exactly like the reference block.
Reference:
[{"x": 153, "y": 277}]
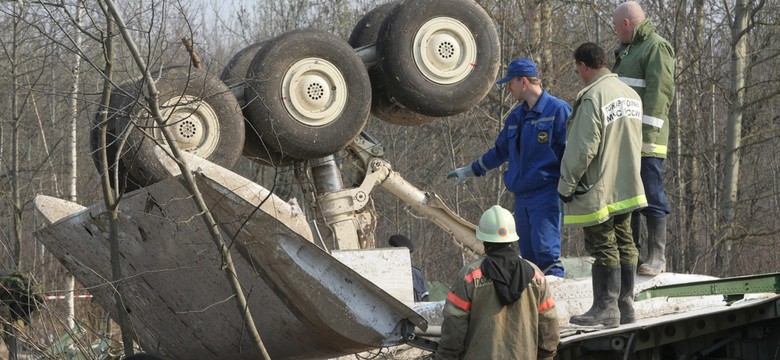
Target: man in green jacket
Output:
[
  {"x": 600, "y": 184},
  {"x": 645, "y": 61},
  {"x": 499, "y": 306}
]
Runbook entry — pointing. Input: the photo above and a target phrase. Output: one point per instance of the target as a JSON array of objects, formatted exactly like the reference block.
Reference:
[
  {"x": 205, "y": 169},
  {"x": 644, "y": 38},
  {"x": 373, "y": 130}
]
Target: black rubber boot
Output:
[
  {"x": 626, "y": 298},
  {"x": 656, "y": 247},
  {"x": 606, "y": 288},
  {"x": 636, "y": 232}
]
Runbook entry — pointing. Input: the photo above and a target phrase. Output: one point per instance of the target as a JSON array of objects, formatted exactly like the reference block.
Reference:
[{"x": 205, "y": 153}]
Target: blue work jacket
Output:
[{"x": 533, "y": 141}]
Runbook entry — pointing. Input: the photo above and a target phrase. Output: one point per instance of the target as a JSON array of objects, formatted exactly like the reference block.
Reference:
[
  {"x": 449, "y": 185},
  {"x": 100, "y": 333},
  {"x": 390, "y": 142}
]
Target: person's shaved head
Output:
[
  {"x": 630, "y": 10},
  {"x": 625, "y": 19}
]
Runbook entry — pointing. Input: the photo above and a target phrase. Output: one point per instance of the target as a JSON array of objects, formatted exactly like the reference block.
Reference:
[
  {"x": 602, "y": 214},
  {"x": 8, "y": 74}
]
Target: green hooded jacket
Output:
[
  {"x": 601, "y": 163},
  {"x": 647, "y": 65}
]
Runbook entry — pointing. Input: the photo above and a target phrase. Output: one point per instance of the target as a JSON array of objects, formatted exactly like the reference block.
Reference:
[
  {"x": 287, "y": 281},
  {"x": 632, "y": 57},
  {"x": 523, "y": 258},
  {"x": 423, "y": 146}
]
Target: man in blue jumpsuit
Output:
[{"x": 532, "y": 141}]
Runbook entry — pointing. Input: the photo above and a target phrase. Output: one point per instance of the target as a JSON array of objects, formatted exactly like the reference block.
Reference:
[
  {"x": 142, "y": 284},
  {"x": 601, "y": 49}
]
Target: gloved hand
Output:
[
  {"x": 566, "y": 199},
  {"x": 461, "y": 174}
]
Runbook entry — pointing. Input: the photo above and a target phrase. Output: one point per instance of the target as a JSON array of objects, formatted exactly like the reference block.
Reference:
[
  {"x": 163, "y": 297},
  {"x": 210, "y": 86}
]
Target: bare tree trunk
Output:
[
  {"x": 689, "y": 180},
  {"x": 546, "y": 60},
  {"x": 73, "y": 193},
  {"x": 9, "y": 333},
  {"x": 40, "y": 251},
  {"x": 15, "y": 122},
  {"x": 109, "y": 197},
  {"x": 675, "y": 249},
  {"x": 534, "y": 35},
  {"x": 739, "y": 33},
  {"x": 189, "y": 181}
]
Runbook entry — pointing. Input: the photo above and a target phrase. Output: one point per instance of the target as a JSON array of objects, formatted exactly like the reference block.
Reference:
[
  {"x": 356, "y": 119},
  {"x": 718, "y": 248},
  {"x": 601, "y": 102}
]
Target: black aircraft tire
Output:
[
  {"x": 204, "y": 119},
  {"x": 235, "y": 75},
  {"x": 117, "y": 172},
  {"x": 308, "y": 94},
  {"x": 438, "y": 57},
  {"x": 235, "y": 70},
  {"x": 383, "y": 107},
  {"x": 366, "y": 31}
]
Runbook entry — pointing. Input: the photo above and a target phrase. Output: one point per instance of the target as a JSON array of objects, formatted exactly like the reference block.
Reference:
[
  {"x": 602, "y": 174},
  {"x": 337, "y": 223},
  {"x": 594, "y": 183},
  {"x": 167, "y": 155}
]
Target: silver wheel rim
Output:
[
  {"x": 444, "y": 50},
  {"x": 314, "y": 92},
  {"x": 193, "y": 124}
]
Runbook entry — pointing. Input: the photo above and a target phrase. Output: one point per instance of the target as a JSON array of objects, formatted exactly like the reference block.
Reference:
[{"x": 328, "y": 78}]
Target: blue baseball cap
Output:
[{"x": 520, "y": 67}]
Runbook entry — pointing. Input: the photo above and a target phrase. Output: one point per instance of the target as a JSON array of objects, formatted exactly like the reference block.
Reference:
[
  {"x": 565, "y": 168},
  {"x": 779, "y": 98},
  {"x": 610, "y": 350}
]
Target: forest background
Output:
[{"x": 722, "y": 175}]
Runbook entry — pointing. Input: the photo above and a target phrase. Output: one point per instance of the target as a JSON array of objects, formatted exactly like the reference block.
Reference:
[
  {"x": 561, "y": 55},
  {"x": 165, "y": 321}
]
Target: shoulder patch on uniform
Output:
[{"x": 622, "y": 108}]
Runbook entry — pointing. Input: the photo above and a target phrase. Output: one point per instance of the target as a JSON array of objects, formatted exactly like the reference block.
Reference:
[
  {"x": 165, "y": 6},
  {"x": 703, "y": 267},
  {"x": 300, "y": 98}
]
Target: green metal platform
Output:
[{"x": 733, "y": 288}]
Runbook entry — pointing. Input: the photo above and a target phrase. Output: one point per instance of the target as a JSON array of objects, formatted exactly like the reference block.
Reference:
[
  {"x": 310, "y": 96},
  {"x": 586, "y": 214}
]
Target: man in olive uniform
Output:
[
  {"x": 499, "y": 307},
  {"x": 645, "y": 61},
  {"x": 600, "y": 184}
]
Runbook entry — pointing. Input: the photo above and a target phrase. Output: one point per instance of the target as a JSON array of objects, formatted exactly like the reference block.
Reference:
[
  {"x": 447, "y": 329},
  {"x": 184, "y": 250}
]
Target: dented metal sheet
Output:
[
  {"x": 54, "y": 209},
  {"x": 305, "y": 303}
]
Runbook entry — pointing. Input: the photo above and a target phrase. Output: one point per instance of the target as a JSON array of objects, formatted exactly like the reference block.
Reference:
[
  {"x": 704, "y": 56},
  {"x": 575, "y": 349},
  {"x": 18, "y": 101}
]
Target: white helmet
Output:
[{"x": 497, "y": 226}]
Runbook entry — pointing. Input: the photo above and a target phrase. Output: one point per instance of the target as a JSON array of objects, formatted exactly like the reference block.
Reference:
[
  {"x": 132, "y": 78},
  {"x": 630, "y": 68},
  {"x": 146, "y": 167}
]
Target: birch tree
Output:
[
  {"x": 740, "y": 30},
  {"x": 73, "y": 178}
]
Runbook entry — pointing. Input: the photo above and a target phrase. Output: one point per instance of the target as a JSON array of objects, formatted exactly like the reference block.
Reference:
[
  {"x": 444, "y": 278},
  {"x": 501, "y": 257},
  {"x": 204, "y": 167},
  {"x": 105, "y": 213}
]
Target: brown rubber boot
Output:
[{"x": 606, "y": 288}]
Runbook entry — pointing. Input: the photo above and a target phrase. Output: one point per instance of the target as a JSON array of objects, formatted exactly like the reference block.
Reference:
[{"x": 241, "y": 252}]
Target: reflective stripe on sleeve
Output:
[
  {"x": 547, "y": 119},
  {"x": 648, "y": 148},
  {"x": 458, "y": 302},
  {"x": 482, "y": 165},
  {"x": 633, "y": 82},
  {"x": 653, "y": 121},
  {"x": 546, "y": 305},
  {"x": 476, "y": 274}
]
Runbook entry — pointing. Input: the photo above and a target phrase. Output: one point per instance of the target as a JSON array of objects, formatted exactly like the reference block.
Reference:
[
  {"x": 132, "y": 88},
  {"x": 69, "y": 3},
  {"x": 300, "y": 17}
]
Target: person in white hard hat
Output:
[{"x": 499, "y": 306}]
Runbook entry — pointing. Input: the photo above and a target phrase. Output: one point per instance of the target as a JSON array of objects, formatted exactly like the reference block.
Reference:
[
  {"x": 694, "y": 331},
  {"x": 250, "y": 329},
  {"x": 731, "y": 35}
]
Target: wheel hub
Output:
[
  {"x": 314, "y": 92},
  {"x": 193, "y": 124},
  {"x": 444, "y": 50}
]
